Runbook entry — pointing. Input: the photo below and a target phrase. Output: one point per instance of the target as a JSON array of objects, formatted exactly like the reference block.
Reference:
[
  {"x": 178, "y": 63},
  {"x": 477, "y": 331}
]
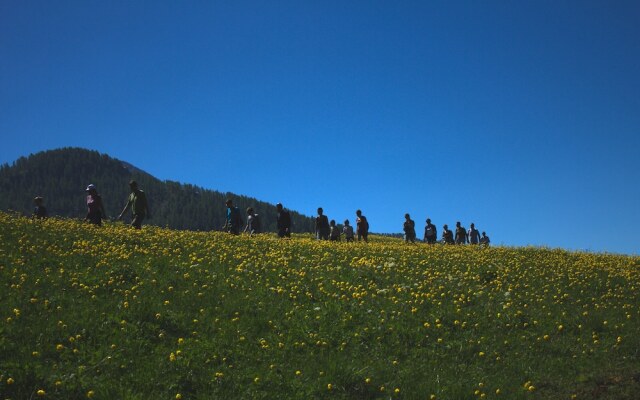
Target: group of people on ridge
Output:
[
  {"x": 328, "y": 230},
  {"x": 136, "y": 202},
  {"x": 324, "y": 229},
  {"x": 462, "y": 236}
]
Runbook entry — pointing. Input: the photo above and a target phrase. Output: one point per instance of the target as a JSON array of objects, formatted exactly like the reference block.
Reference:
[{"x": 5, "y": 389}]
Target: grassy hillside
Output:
[{"x": 114, "y": 313}]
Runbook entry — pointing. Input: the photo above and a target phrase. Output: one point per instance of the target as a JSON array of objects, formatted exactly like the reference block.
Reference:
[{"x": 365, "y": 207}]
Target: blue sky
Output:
[{"x": 523, "y": 117}]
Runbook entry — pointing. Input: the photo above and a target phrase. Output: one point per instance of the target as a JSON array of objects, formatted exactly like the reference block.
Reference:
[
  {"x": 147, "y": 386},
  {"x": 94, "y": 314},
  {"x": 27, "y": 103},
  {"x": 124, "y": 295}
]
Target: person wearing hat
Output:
[
  {"x": 40, "y": 211},
  {"x": 137, "y": 201},
  {"x": 95, "y": 208}
]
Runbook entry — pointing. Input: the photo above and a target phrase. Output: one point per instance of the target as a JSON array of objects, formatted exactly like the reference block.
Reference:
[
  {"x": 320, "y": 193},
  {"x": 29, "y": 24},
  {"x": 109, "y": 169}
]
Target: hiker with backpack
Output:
[
  {"x": 430, "y": 232},
  {"x": 362, "y": 226},
  {"x": 283, "y": 221},
  {"x": 234, "y": 220},
  {"x": 461, "y": 234},
  {"x": 473, "y": 235},
  {"x": 409, "y": 228},
  {"x": 322, "y": 226},
  {"x": 95, "y": 208},
  {"x": 253, "y": 222}
]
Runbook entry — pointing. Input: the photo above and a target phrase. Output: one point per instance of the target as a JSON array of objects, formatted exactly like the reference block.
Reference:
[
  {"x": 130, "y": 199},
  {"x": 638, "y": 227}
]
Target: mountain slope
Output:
[{"x": 61, "y": 175}]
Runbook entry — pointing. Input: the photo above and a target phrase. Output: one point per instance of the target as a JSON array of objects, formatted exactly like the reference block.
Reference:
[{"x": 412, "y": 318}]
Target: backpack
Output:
[
  {"x": 236, "y": 219},
  {"x": 430, "y": 231}
]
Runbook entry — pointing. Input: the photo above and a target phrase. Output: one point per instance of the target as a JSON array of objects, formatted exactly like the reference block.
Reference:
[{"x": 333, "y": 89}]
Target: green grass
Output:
[{"x": 114, "y": 313}]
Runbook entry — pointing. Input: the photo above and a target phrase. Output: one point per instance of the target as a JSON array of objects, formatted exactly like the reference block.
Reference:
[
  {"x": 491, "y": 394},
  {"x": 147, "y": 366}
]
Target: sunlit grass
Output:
[{"x": 113, "y": 312}]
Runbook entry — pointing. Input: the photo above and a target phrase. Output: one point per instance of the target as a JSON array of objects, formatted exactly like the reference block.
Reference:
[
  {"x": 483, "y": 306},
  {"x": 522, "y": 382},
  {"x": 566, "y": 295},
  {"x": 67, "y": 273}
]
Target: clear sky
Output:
[{"x": 520, "y": 116}]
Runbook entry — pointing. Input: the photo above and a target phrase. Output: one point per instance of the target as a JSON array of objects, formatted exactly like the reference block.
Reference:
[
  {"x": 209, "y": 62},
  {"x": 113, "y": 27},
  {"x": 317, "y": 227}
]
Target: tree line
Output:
[{"x": 61, "y": 176}]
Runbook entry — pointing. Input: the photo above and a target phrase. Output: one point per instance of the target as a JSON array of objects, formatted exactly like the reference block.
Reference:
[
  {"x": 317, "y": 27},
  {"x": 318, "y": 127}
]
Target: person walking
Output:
[
  {"x": 362, "y": 226},
  {"x": 40, "y": 211},
  {"x": 137, "y": 202},
  {"x": 447, "y": 235},
  {"x": 430, "y": 232},
  {"x": 473, "y": 234},
  {"x": 484, "y": 240},
  {"x": 409, "y": 228},
  {"x": 283, "y": 221},
  {"x": 348, "y": 231},
  {"x": 461, "y": 234},
  {"x": 334, "y": 232},
  {"x": 234, "y": 220},
  {"x": 95, "y": 207},
  {"x": 253, "y": 222},
  {"x": 322, "y": 226}
]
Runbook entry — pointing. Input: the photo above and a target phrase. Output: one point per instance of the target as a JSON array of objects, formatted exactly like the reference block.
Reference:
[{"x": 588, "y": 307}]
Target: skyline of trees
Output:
[{"x": 61, "y": 176}]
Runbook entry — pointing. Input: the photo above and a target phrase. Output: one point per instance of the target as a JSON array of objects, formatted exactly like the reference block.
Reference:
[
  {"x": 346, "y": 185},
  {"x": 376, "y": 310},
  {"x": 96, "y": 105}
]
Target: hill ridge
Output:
[{"x": 60, "y": 176}]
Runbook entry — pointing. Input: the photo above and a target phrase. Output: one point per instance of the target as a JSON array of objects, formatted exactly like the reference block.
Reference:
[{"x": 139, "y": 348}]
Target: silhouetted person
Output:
[
  {"x": 95, "y": 207},
  {"x": 322, "y": 226},
  {"x": 362, "y": 226},
  {"x": 473, "y": 235},
  {"x": 409, "y": 228},
  {"x": 137, "y": 202},
  {"x": 283, "y": 221},
  {"x": 484, "y": 240},
  {"x": 253, "y": 222},
  {"x": 430, "y": 232},
  {"x": 447, "y": 235},
  {"x": 234, "y": 220},
  {"x": 334, "y": 232},
  {"x": 461, "y": 234},
  {"x": 40, "y": 211},
  {"x": 348, "y": 231}
]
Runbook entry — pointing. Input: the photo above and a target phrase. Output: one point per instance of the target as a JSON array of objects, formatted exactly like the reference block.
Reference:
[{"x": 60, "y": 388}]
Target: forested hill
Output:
[{"x": 61, "y": 176}]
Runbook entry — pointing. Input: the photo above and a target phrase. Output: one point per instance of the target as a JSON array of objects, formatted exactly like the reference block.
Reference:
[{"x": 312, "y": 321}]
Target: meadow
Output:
[{"x": 113, "y": 313}]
